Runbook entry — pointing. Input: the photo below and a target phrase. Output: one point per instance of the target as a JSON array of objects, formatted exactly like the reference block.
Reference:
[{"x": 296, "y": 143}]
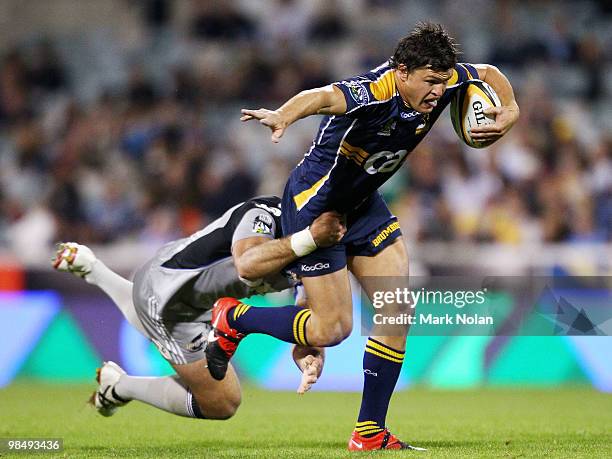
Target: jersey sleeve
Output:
[
  {"x": 255, "y": 222},
  {"x": 462, "y": 73},
  {"x": 357, "y": 93}
]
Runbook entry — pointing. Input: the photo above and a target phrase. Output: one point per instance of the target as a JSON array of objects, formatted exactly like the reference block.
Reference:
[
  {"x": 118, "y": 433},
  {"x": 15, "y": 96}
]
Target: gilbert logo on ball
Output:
[{"x": 468, "y": 107}]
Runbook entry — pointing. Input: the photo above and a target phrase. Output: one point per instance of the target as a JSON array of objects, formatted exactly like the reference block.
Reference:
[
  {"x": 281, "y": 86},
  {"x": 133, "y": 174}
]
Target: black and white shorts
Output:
[{"x": 179, "y": 331}]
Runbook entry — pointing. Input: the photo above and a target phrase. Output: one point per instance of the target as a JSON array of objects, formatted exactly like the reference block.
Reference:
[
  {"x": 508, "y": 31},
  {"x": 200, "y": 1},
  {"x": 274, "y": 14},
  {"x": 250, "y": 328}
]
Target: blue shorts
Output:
[{"x": 370, "y": 228}]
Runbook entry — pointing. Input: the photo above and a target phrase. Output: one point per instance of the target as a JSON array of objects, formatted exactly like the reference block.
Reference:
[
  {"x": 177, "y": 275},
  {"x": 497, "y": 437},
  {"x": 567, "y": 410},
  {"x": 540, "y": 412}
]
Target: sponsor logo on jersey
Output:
[
  {"x": 384, "y": 234},
  {"x": 263, "y": 224},
  {"x": 384, "y": 161},
  {"x": 408, "y": 115},
  {"x": 358, "y": 92},
  {"x": 317, "y": 267}
]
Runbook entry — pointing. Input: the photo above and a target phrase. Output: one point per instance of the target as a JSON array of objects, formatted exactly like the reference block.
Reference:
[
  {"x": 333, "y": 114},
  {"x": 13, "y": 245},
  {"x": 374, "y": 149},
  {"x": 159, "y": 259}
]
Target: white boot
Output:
[
  {"x": 105, "y": 398},
  {"x": 74, "y": 258}
]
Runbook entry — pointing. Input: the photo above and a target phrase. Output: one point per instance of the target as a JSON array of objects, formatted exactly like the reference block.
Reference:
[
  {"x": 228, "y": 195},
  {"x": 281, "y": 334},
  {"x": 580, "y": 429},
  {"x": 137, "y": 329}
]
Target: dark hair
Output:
[{"x": 428, "y": 44}]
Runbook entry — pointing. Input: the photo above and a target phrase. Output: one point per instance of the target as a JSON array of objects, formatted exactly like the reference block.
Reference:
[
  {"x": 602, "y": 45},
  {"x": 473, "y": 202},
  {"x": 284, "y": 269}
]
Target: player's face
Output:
[{"x": 421, "y": 88}]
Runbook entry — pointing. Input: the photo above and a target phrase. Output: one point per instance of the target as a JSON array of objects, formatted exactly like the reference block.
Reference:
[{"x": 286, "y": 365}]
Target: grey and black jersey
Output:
[{"x": 185, "y": 277}]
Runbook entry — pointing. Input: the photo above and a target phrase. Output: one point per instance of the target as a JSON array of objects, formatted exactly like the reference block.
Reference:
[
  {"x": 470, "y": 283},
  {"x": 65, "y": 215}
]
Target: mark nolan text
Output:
[
  {"x": 458, "y": 319},
  {"x": 430, "y": 319}
]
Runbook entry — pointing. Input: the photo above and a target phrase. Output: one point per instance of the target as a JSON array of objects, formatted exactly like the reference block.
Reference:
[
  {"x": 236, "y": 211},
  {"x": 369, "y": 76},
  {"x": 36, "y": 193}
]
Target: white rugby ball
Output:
[{"x": 467, "y": 110}]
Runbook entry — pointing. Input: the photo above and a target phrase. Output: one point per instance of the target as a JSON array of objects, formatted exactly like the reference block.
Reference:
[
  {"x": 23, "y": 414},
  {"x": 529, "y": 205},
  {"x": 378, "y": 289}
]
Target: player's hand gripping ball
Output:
[{"x": 468, "y": 108}]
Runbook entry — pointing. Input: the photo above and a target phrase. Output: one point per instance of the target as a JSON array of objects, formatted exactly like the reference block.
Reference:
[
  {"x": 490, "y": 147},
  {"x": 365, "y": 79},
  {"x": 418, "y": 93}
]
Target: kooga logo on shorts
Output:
[{"x": 316, "y": 267}]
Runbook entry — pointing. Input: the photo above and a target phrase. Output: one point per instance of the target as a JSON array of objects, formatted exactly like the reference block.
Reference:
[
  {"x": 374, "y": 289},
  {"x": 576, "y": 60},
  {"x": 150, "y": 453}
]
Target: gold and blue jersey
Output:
[{"x": 355, "y": 153}]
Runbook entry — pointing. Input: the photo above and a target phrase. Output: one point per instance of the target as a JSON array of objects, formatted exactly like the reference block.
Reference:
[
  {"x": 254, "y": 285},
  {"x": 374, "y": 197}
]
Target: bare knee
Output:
[
  {"x": 224, "y": 410},
  {"x": 329, "y": 332},
  {"x": 219, "y": 408}
]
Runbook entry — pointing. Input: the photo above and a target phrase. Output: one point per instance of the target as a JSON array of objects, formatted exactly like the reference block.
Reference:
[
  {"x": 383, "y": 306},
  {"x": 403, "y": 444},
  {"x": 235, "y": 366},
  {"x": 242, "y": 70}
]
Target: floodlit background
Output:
[{"x": 119, "y": 128}]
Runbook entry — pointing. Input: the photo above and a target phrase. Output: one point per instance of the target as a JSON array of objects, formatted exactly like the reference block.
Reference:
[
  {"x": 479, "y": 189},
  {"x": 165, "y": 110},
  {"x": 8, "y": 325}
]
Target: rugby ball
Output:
[{"x": 467, "y": 110}]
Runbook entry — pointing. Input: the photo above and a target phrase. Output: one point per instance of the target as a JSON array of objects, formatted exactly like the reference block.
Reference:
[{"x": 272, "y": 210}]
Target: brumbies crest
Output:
[{"x": 359, "y": 93}]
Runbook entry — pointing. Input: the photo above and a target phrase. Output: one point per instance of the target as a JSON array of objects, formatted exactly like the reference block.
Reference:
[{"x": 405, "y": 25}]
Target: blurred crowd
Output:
[{"x": 133, "y": 133}]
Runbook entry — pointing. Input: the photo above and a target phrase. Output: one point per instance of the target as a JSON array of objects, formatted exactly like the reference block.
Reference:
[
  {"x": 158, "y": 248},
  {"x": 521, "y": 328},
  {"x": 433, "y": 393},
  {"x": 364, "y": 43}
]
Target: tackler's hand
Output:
[{"x": 328, "y": 229}]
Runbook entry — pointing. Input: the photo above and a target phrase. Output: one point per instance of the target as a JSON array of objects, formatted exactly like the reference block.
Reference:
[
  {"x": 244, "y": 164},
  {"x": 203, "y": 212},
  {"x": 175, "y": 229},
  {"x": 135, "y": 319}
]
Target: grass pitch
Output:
[{"x": 482, "y": 423}]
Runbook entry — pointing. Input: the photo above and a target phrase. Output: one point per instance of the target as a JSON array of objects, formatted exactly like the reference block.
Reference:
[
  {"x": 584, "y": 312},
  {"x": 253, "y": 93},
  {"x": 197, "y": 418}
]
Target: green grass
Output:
[{"x": 483, "y": 423}]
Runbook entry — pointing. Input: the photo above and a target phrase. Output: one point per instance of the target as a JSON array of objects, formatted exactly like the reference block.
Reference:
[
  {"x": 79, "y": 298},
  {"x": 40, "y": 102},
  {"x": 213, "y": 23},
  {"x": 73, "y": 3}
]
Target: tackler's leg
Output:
[{"x": 80, "y": 260}]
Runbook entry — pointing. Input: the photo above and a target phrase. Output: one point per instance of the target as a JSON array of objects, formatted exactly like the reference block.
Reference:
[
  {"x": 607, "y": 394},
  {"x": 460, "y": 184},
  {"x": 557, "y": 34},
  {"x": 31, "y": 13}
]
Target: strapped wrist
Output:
[{"x": 302, "y": 242}]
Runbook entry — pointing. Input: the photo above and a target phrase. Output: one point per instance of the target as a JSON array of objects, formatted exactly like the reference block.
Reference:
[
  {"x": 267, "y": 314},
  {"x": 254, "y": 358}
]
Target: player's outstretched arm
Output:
[
  {"x": 310, "y": 361},
  {"x": 256, "y": 257},
  {"x": 328, "y": 100},
  {"x": 507, "y": 114}
]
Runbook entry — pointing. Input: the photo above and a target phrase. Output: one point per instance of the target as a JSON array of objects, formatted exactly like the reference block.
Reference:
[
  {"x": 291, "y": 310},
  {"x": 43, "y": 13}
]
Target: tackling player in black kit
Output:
[{"x": 240, "y": 254}]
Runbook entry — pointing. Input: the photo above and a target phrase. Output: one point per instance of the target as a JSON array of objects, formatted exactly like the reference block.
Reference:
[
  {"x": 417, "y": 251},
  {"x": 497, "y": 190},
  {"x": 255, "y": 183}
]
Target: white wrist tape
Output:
[{"x": 302, "y": 242}]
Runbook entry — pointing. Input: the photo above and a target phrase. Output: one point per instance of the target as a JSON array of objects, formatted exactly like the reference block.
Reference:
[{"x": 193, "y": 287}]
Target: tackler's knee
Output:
[{"x": 217, "y": 408}]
